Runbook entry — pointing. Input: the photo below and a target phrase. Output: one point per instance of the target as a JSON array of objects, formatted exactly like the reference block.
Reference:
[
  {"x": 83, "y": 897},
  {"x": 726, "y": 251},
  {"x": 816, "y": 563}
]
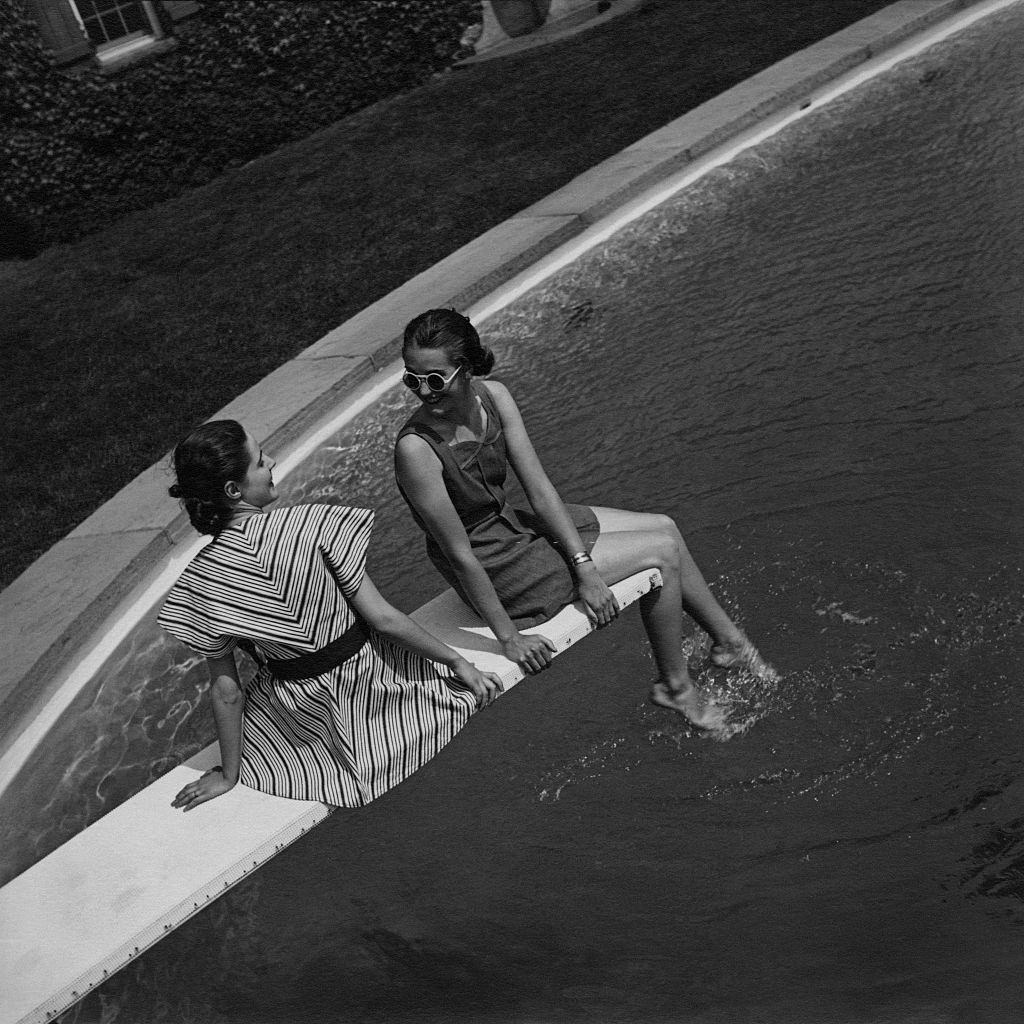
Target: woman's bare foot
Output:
[
  {"x": 694, "y": 704},
  {"x": 741, "y": 653}
]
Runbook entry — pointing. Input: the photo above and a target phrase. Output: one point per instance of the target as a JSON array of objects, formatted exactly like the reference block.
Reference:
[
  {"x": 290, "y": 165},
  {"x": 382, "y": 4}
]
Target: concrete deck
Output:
[{"x": 56, "y": 609}]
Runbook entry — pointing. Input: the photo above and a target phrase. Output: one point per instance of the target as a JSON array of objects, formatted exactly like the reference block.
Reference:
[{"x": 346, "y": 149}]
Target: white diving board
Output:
[{"x": 93, "y": 905}]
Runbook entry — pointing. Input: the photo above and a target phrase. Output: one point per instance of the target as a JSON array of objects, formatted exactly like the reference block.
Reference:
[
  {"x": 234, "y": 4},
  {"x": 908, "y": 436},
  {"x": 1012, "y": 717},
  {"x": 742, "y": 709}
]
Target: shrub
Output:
[{"x": 79, "y": 149}]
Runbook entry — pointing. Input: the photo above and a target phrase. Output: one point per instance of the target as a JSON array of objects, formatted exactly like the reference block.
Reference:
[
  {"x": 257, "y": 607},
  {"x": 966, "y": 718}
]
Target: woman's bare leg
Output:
[
  {"x": 648, "y": 531},
  {"x": 630, "y": 542}
]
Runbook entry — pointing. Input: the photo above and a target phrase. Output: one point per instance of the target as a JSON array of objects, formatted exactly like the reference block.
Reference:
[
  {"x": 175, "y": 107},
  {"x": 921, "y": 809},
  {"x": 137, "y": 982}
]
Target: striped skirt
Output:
[{"x": 348, "y": 736}]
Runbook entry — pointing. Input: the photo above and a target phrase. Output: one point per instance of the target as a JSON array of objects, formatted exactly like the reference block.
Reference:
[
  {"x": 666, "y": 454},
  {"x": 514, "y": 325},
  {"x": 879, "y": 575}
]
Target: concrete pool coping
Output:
[{"x": 55, "y": 610}]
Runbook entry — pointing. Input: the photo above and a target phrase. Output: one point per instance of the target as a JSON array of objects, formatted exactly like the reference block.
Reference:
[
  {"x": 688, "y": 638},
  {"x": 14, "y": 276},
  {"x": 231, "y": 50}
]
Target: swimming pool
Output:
[{"x": 824, "y": 340}]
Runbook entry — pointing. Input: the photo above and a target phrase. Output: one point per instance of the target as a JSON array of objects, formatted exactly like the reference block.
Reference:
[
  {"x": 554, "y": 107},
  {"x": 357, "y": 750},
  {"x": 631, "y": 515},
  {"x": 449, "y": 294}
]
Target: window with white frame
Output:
[{"x": 117, "y": 26}]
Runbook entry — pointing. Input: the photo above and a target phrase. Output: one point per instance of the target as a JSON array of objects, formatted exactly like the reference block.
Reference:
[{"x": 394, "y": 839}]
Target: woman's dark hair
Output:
[
  {"x": 446, "y": 329},
  {"x": 204, "y": 462}
]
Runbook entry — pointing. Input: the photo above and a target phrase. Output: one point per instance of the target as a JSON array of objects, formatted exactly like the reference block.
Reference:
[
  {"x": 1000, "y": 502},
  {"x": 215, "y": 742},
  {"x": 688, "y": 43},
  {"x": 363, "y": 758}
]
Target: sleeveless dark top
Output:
[{"x": 528, "y": 570}]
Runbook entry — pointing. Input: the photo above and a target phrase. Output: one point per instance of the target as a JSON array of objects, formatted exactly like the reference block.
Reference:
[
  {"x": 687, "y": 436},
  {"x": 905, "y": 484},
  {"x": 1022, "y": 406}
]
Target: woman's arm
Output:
[
  {"x": 228, "y": 702},
  {"x": 419, "y": 474},
  {"x": 548, "y": 505},
  {"x": 390, "y": 622}
]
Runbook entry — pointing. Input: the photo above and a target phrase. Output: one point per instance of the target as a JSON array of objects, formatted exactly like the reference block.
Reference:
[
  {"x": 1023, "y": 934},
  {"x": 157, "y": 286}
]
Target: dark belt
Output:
[{"x": 316, "y": 663}]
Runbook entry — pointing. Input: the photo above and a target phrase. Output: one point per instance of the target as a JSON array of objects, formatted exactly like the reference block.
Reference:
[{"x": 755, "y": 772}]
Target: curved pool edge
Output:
[{"x": 58, "y": 610}]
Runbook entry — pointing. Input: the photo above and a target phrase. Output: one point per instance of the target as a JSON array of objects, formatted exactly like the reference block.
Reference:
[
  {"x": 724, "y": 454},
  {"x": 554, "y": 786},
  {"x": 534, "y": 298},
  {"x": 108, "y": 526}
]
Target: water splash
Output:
[{"x": 610, "y": 756}]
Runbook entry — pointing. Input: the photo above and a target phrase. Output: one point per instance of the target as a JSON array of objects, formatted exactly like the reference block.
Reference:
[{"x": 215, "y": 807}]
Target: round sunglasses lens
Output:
[
  {"x": 411, "y": 381},
  {"x": 436, "y": 382}
]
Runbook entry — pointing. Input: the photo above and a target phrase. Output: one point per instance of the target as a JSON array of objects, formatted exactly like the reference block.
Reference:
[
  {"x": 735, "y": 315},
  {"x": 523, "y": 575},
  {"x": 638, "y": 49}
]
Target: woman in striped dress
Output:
[{"x": 351, "y": 696}]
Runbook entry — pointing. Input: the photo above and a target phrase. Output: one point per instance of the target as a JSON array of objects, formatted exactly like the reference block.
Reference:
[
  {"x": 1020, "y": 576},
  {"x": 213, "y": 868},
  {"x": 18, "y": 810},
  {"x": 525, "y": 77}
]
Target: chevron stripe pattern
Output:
[{"x": 281, "y": 581}]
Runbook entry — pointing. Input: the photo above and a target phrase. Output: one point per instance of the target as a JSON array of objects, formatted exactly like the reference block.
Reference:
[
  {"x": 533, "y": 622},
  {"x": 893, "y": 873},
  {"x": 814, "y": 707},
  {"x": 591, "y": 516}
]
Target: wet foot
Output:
[
  {"x": 695, "y": 705},
  {"x": 741, "y": 653}
]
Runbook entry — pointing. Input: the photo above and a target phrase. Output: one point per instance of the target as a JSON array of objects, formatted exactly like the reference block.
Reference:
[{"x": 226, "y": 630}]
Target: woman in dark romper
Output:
[{"x": 516, "y": 568}]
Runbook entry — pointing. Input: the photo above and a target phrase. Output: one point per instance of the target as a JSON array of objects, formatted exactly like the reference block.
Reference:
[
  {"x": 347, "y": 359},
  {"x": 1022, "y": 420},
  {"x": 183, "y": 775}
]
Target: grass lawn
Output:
[{"x": 117, "y": 345}]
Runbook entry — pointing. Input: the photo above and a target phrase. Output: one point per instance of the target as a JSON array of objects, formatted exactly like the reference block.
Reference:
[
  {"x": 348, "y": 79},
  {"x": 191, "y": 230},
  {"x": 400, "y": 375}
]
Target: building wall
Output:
[{"x": 60, "y": 30}]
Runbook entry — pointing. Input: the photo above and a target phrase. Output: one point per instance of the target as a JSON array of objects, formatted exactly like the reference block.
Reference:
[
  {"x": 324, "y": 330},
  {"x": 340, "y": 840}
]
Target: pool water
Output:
[{"x": 812, "y": 360}]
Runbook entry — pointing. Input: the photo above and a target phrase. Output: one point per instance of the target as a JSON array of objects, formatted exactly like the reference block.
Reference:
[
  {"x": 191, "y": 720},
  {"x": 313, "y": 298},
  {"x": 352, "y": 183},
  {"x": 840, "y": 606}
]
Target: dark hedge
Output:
[{"x": 79, "y": 149}]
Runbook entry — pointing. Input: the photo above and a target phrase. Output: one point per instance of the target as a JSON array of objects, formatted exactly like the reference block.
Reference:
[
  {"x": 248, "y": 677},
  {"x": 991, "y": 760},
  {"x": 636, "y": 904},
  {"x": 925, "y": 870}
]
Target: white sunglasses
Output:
[{"x": 434, "y": 381}]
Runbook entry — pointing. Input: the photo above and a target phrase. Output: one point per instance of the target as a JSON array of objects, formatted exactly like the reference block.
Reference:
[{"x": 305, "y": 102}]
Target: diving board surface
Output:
[{"x": 112, "y": 891}]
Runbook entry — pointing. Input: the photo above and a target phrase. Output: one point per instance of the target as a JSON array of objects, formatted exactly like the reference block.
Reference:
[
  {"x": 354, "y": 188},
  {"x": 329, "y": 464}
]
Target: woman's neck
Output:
[
  {"x": 242, "y": 511},
  {"x": 469, "y": 412}
]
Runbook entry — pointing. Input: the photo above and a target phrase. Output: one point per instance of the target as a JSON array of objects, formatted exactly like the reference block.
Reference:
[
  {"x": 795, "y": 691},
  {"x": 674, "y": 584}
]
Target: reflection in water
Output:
[{"x": 813, "y": 361}]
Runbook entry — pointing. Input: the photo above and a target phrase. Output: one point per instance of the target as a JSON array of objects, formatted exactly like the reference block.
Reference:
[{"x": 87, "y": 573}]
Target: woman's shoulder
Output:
[
  {"x": 315, "y": 527},
  {"x": 416, "y": 437},
  {"x": 417, "y": 455},
  {"x": 497, "y": 398},
  {"x": 494, "y": 387},
  {"x": 203, "y": 571},
  {"x": 497, "y": 392},
  {"x": 317, "y": 511}
]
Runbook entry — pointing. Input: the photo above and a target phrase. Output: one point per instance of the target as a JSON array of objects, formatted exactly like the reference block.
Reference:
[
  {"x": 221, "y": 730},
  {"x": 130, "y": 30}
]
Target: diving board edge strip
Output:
[{"x": 64, "y": 921}]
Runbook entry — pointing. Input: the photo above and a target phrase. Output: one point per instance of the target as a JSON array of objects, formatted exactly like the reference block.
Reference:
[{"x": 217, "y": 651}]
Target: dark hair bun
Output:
[
  {"x": 483, "y": 362},
  {"x": 208, "y": 517}
]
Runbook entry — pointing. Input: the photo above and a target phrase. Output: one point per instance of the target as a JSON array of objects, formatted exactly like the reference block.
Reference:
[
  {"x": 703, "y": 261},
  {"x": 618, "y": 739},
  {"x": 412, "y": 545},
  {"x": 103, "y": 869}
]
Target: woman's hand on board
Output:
[
  {"x": 485, "y": 686},
  {"x": 602, "y": 607},
  {"x": 209, "y": 785},
  {"x": 530, "y": 651}
]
